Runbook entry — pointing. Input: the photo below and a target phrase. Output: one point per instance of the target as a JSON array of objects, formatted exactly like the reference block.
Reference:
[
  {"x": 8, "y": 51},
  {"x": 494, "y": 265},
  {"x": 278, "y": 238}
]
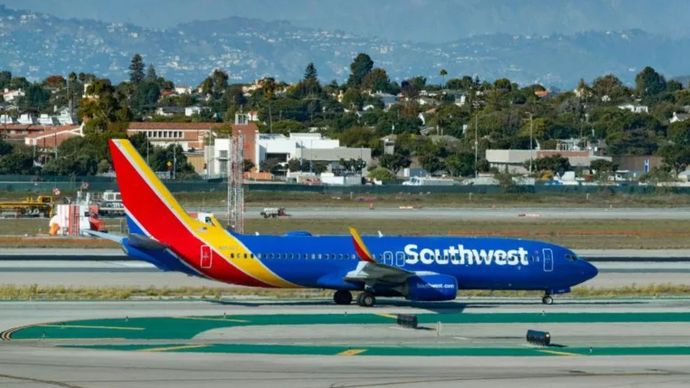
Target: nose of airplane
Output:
[{"x": 588, "y": 271}]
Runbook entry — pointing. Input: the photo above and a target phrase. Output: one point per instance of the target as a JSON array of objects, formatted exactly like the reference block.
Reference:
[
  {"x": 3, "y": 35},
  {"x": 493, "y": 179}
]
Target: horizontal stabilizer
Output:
[
  {"x": 106, "y": 236},
  {"x": 144, "y": 243}
]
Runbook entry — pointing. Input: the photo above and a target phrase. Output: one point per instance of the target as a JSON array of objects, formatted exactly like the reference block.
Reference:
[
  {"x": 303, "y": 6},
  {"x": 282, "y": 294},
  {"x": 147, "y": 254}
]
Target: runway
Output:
[
  {"x": 47, "y": 362},
  {"x": 117, "y": 273}
]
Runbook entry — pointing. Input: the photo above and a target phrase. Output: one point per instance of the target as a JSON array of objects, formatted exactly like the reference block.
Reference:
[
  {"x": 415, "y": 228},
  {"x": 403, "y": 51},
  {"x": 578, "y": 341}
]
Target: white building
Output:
[
  {"x": 183, "y": 90},
  {"x": 66, "y": 117},
  {"x": 285, "y": 147},
  {"x": 11, "y": 95},
  {"x": 46, "y": 119},
  {"x": 194, "y": 110},
  {"x": 305, "y": 146},
  {"x": 6, "y": 119},
  {"x": 27, "y": 119},
  {"x": 678, "y": 117},
  {"x": 634, "y": 108},
  {"x": 514, "y": 161}
]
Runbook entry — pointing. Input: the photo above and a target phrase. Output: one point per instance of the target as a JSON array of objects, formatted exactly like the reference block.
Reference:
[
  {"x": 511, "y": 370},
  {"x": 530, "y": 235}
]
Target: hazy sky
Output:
[{"x": 415, "y": 20}]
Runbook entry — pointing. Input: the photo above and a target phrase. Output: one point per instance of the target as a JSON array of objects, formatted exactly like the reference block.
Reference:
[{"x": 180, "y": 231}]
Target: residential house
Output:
[
  {"x": 169, "y": 111},
  {"x": 183, "y": 90},
  {"x": 51, "y": 137},
  {"x": 190, "y": 111},
  {"x": 679, "y": 117},
  {"x": 12, "y": 95},
  {"x": 27, "y": 119},
  {"x": 634, "y": 108}
]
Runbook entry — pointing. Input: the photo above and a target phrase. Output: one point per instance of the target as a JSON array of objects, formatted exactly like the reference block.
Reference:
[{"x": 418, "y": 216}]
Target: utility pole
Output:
[
  {"x": 476, "y": 144},
  {"x": 531, "y": 129},
  {"x": 228, "y": 169},
  {"x": 174, "y": 161}
]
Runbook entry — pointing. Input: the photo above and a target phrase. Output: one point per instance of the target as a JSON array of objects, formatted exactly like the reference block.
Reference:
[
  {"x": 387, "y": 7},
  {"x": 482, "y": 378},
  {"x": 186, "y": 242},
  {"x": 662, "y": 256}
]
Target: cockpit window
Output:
[{"x": 570, "y": 256}]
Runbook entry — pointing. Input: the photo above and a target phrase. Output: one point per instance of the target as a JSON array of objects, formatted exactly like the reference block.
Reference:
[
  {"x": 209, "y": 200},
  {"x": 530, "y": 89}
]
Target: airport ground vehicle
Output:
[
  {"x": 41, "y": 206},
  {"x": 419, "y": 268},
  {"x": 273, "y": 212}
]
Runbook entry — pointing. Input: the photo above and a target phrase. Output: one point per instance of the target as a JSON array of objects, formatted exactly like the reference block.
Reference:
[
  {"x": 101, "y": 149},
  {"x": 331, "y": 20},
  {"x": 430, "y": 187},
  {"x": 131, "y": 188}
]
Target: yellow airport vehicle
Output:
[{"x": 41, "y": 206}]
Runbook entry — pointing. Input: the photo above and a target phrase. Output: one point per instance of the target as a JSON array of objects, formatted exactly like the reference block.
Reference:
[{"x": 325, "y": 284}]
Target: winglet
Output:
[{"x": 360, "y": 248}]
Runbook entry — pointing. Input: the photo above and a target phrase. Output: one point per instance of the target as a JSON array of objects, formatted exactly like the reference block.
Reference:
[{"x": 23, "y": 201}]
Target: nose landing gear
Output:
[{"x": 547, "y": 299}]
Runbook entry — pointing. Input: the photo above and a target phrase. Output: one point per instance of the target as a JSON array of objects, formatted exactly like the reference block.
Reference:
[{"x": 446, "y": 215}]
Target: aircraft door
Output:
[
  {"x": 205, "y": 257},
  {"x": 400, "y": 259},
  {"x": 388, "y": 258},
  {"x": 548, "y": 259}
]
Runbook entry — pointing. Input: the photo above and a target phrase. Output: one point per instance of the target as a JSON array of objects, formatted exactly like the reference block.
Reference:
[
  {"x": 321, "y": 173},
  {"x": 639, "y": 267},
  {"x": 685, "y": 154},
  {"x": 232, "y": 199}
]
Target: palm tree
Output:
[{"x": 443, "y": 73}]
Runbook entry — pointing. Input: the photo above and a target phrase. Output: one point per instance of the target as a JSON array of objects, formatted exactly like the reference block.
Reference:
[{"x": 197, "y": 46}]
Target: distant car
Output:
[{"x": 273, "y": 212}]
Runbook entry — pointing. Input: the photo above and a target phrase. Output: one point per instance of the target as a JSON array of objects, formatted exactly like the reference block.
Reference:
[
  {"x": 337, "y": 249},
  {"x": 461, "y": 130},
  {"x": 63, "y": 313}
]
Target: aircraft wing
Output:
[
  {"x": 375, "y": 273},
  {"x": 370, "y": 271}
]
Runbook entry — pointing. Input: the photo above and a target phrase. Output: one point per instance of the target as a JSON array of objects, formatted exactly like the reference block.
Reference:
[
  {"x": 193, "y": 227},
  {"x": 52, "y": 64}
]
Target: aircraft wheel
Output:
[
  {"x": 547, "y": 299},
  {"x": 366, "y": 299},
  {"x": 342, "y": 297}
]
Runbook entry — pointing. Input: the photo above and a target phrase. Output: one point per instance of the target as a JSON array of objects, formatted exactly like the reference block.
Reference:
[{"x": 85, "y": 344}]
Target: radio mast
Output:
[{"x": 235, "y": 179}]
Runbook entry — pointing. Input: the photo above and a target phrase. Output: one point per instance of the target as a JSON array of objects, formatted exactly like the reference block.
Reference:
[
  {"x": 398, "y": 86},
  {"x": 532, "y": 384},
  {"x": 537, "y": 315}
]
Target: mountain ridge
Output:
[{"x": 37, "y": 45}]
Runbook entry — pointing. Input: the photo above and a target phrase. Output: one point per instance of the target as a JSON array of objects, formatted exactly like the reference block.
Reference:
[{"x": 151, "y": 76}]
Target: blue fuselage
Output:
[{"x": 476, "y": 263}]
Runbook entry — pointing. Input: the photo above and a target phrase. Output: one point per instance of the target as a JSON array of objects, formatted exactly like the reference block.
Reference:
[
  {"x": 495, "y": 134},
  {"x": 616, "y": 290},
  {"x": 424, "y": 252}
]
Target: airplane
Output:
[{"x": 418, "y": 268}]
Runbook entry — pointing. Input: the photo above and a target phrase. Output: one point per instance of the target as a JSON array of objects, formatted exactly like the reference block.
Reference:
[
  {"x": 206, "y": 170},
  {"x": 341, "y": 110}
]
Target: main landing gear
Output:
[
  {"x": 342, "y": 297},
  {"x": 366, "y": 299},
  {"x": 547, "y": 299}
]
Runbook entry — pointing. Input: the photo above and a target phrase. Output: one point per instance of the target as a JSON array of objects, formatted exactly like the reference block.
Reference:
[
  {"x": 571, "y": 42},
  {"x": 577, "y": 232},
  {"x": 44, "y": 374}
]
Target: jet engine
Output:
[{"x": 431, "y": 287}]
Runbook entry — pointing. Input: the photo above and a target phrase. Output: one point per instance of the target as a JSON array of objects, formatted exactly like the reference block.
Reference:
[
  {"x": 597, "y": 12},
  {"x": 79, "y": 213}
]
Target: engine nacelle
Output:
[{"x": 431, "y": 287}]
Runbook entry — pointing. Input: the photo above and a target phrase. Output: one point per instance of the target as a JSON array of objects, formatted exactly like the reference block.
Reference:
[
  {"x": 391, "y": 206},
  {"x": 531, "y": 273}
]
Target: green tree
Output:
[
  {"x": 353, "y": 165},
  {"x": 151, "y": 75},
  {"x": 360, "y": 67},
  {"x": 556, "y": 164},
  {"x": 35, "y": 98},
  {"x": 310, "y": 73},
  {"x": 19, "y": 161},
  {"x": 609, "y": 85},
  {"x": 358, "y": 137},
  {"x": 377, "y": 81},
  {"x": 5, "y": 148},
  {"x": 136, "y": 69},
  {"x": 394, "y": 162},
  {"x": 382, "y": 174},
  {"x": 443, "y": 73},
  {"x": 352, "y": 99},
  {"x": 77, "y": 156},
  {"x": 649, "y": 83},
  {"x": 461, "y": 164},
  {"x": 409, "y": 88},
  {"x": 5, "y": 78},
  {"x": 431, "y": 163}
]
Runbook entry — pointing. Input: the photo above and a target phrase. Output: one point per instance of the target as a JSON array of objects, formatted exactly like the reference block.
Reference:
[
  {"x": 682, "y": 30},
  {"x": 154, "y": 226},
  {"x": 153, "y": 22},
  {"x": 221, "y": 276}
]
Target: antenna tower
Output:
[{"x": 235, "y": 180}]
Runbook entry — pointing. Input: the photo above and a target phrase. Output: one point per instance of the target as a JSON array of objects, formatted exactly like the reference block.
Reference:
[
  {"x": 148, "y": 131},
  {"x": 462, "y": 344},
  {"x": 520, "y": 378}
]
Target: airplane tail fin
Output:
[{"x": 148, "y": 203}]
